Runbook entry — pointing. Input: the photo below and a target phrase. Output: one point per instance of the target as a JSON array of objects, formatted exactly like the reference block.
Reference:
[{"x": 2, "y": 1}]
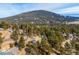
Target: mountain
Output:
[{"x": 40, "y": 17}]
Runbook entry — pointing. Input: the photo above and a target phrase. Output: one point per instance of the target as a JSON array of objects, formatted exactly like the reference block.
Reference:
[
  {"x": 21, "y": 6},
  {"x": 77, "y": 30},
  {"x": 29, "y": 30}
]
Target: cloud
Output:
[
  {"x": 10, "y": 9},
  {"x": 72, "y": 11}
]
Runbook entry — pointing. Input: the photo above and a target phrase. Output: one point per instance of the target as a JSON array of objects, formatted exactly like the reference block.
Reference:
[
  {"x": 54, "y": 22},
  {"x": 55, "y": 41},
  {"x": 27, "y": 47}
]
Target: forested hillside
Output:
[
  {"x": 59, "y": 39},
  {"x": 40, "y": 17}
]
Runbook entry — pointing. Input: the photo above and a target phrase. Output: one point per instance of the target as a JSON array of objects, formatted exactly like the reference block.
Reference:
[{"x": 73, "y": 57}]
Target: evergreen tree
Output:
[
  {"x": 21, "y": 43},
  {"x": 1, "y": 40}
]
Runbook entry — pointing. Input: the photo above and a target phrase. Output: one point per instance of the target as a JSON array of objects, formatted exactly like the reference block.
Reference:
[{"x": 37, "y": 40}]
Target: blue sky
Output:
[{"x": 10, "y": 9}]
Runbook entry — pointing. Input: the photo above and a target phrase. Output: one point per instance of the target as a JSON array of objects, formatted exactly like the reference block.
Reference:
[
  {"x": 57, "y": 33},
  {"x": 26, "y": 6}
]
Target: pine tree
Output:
[
  {"x": 21, "y": 43},
  {"x": 1, "y": 40}
]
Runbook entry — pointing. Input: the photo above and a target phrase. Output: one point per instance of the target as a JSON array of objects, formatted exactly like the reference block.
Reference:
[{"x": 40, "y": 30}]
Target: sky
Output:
[{"x": 11, "y": 9}]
